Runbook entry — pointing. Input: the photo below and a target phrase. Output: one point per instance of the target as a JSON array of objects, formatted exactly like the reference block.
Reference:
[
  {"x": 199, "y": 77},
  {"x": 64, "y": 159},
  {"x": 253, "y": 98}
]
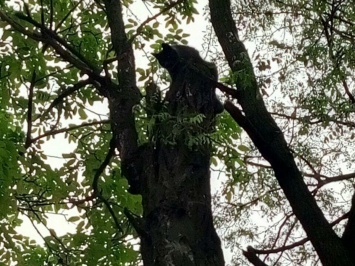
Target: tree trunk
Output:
[
  {"x": 173, "y": 179},
  {"x": 177, "y": 219},
  {"x": 177, "y": 226}
]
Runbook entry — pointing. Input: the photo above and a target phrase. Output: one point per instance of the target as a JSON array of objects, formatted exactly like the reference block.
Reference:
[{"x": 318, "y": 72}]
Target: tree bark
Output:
[
  {"x": 173, "y": 179},
  {"x": 124, "y": 95},
  {"x": 177, "y": 221},
  {"x": 270, "y": 141}
]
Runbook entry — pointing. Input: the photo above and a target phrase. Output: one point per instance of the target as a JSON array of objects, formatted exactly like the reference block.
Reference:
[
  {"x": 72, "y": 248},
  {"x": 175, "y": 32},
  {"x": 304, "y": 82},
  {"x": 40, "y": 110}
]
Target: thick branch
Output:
[
  {"x": 338, "y": 178},
  {"x": 252, "y": 257},
  {"x": 19, "y": 28},
  {"x": 61, "y": 47},
  {"x": 52, "y": 36},
  {"x": 49, "y": 39},
  {"x": 124, "y": 96}
]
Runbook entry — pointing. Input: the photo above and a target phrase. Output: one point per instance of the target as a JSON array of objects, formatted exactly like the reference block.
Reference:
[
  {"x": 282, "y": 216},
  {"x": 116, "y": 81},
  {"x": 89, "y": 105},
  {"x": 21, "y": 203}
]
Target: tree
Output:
[
  {"x": 60, "y": 60},
  {"x": 267, "y": 136}
]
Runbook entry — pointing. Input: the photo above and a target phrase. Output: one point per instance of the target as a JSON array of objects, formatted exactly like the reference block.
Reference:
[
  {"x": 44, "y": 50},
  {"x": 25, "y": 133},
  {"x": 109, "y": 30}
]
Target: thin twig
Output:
[
  {"x": 65, "y": 94},
  {"x": 30, "y": 108},
  {"x": 149, "y": 19},
  {"x": 67, "y": 129}
]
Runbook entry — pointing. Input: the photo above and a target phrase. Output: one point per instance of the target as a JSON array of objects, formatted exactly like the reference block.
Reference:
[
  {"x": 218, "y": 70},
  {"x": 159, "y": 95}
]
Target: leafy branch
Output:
[
  {"x": 149, "y": 19},
  {"x": 67, "y": 129},
  {"x": 64, "y": 94}
]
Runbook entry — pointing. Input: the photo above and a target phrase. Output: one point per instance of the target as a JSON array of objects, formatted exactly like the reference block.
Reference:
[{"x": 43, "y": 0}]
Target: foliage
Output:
[
  {"x": 46, "y": 102},
  {"x": 55, "y": 130},
  {"x": 303, "y": 58}
]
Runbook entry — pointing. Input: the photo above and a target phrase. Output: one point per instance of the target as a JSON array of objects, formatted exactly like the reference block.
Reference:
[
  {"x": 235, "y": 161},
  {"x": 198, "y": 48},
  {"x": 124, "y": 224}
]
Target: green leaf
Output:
[
  {"x": 82, "y": 114},
  {"x": 74, "y": 219},
  {"x": 243, "y": 148}
]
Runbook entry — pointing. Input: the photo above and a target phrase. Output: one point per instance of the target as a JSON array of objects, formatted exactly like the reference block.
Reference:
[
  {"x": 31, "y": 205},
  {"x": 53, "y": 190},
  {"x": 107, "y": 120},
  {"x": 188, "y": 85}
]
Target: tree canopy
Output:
[{"x": 79, "y": 119}]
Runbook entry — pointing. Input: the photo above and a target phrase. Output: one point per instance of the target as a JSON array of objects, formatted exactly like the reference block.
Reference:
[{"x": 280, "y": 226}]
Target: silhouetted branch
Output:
[
  {"x": 52, "y": 38},
  {"x": 252, "y": 257},
  {"x": 101, "y": 169},
  {"x": 314, "y": 122},
  {"x": 30, "y": 108},
  {"x": 62, "y": 130},
  {"x": 298, "y": 243},
  {"x": 65, "y": 94},
  {"x": 137, "y": 222}
]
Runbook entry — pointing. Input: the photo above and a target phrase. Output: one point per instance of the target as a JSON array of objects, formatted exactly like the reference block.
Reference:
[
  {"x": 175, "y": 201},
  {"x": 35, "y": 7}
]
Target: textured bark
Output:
[
  {"x": 122, "y": 97},
  {"x": 270, "y": 141},
  {"x": 175, "y": 186},
  {"x": 178, "y": 228},
  {"x": 174, "y": 180}
]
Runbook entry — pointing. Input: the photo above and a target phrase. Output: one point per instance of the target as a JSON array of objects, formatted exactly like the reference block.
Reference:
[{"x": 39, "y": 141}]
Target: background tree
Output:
[
  {"x": 307, "y": 49},
  {"x": 62, "y": 60}
]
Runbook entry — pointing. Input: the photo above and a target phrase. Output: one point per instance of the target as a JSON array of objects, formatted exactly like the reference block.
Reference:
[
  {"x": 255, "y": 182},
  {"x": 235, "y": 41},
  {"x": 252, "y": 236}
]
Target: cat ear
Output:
[{"x": 165, "y": 46}]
